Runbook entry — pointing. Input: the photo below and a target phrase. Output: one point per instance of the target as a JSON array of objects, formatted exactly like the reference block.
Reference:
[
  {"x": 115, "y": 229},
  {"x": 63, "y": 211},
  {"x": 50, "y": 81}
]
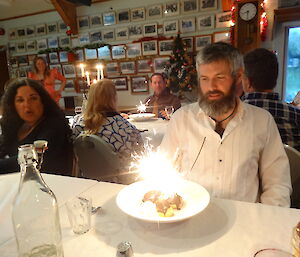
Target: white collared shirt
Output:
[{"x": 247, "y": 160}]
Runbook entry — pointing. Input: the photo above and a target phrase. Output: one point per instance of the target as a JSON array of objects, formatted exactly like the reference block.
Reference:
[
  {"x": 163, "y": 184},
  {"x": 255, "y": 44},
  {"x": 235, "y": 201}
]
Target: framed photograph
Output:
[
  {"x": 112, "y": 68},
  {"x": 52, "y": 28},
  {"x": 90, "y": 54},
  {"x": 223, "y": 20},
  {"x": 207, "y": 5},
  {"x": 123, "y": 16},
  {"x": 83, "y": 22},
  {"x": 159, "y": 64},
  {"x": 120, "y": 83},
  {"x": 189, "y": 6},
  {"x": 56, "y": 66},
  {"x": 121, "y": 33},
  {"x": 201, "y": 41},
  {"x": 149, "y": 47},
  {"x": 104, "y": 53},
  {"x": 13, "y": 61},
  {"x": 79, "y": 55},
  {"x": 188, "y": 43},
  {"x": 30, "y": 45},
  {"x": 64, "y": 41},
  {"x": 139, "y": 85},
  {"x": 165, "y": 47},
  {"x": 108, "y": 35},
  {"x": 62, "y": 27},
  {"x": 135, "y": 31},
  {"x": 69, "y": 70},
  {"x": 41, "y": 44},
  {"x": 23, "y": 72},
  {"x": 84, "y": 39},
  {"x": 70, "y": 85},
  {"x": 206, "y": 22},
  {"x": 96, "y": 20},
  {"x": 40, "y": 29},
  {"x": 12, "y": 34},
  {"x": 127, "y": 67},
  {"x": 12, "y": 47},
  {"x": 118, "y": 52},
  {"x": 134, "y": 50},
  {"x": 144, "y": 66},
  {"x": 170, "y": 27},
  {"x": 187, "y": 25},
  {"x": 30, "y": 31},
  {"x": 137, "y": 14},
  {"x": 21, "y": 32},
  {"x": 154, "y": 11},
  {"x": 95, "y": 36},
  {"x": 63, "y": 56},
  {"x": 171, "y": 8},
  {"x": 21, "y": 47},
  {"x": 52, "y": 42},
  {"x": 31, "y": 57},
  {"x": 109, "y": 18},
  {"x": 223, "y": 36},
  {"x": 22, "y": 60},
  {"x": 53, "y": 57},
  {"x": 150, "y": 30}
]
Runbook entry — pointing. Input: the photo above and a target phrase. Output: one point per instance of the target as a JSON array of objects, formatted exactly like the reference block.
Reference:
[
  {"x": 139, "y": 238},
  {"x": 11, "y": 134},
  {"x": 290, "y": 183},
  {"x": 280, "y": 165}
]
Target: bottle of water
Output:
[{"x": 35, "y": 211}]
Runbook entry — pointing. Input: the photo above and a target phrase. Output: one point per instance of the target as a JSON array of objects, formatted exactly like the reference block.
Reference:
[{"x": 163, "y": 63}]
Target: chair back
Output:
[{"x": 294, "y": 159}]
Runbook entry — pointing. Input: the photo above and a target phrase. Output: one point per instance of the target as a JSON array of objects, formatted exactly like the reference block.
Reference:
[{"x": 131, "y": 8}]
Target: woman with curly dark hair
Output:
[{"x": 30, "y": 114}]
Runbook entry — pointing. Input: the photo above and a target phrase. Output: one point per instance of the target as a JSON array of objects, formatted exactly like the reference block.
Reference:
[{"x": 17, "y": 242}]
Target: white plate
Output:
[
  {"x": 195, "y": 198},
  {"x": 141, "y": 116}
]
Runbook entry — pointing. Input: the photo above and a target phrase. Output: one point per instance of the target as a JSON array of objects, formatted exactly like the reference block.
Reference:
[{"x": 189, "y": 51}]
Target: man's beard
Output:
[{"x": 215, "y": 108}]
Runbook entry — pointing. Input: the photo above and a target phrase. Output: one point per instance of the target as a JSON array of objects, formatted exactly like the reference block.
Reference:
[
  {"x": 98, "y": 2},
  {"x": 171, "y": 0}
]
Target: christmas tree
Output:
[{"x": 181, "y": 69}]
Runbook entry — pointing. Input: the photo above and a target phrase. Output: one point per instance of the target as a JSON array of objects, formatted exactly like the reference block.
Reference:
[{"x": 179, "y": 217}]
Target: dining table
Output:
[{"x": 225, "y": 228}]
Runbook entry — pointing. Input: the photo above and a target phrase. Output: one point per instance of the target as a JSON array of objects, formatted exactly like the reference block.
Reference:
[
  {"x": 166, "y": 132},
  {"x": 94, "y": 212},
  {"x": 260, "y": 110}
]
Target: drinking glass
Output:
[
  {"x": 78, "y": 109},
  {"x": 169, "y": 111}
]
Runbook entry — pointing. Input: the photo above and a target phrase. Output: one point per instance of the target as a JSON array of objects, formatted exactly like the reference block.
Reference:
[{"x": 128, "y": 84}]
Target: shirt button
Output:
[{"x": 220, "y": 160}]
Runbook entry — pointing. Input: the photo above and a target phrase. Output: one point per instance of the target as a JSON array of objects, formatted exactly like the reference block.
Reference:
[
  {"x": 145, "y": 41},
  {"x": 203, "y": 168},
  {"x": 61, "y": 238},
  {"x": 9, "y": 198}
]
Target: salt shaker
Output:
[{"x": 124, "y": 249}]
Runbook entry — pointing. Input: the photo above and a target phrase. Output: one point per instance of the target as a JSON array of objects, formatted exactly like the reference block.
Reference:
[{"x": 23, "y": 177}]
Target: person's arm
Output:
[{"x": 60, "y": 77}]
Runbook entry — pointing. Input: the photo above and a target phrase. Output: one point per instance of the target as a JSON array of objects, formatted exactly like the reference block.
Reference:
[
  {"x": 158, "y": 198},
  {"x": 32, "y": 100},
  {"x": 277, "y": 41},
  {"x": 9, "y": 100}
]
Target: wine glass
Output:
[{"x": 169, "y": 111}]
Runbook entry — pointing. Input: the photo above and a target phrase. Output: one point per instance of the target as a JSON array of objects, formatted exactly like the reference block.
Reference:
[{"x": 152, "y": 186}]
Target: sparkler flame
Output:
[{"x": 142, "y": 107}]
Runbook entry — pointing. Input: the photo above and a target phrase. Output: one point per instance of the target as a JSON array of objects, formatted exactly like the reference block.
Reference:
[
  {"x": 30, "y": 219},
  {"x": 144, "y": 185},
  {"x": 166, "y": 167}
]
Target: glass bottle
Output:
[{"x": 35, "y": 211}]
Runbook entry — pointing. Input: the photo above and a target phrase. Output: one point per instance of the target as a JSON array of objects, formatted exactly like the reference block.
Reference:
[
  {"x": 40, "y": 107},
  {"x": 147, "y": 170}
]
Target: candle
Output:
[
  {"x": 101, "y": 69},
  {"x": 88, "y": 78},
  {"x": 95, "y": 81},
  {"x": 82, "y": 69},
  {"x": 98, "y": 71}
]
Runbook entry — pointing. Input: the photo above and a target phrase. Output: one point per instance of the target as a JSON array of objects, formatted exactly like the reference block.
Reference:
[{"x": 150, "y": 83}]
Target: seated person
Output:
[
  {"x": 261, "y": 71},
  {"x": 161, "y": 97},
  {"x": 30, "y": 114},
  {"x": 101, "y": 118}
]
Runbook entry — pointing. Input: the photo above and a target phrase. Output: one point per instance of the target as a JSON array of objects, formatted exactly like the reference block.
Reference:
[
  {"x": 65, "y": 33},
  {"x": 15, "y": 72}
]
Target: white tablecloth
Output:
[{"x": 225, "y": 228}]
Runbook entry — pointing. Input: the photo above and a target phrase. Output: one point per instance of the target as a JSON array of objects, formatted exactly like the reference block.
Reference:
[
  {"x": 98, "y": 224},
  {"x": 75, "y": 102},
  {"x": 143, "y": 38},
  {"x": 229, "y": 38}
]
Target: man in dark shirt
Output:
[
  {"x": 261, "y": 72},
  {"x": 162, "y": 96}
]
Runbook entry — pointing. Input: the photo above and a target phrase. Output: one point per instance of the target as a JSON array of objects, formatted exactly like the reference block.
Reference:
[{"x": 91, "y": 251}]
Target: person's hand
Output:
[
  {"x": 163, "y": 115},
  {"x": 124, "y": 115}
]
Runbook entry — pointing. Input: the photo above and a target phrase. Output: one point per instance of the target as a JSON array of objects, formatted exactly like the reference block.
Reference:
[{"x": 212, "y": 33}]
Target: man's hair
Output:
[
  {"x": 163, "y": 75},
  {"x": 220, "y": 51},
  {"x": 261, "y": 68}
]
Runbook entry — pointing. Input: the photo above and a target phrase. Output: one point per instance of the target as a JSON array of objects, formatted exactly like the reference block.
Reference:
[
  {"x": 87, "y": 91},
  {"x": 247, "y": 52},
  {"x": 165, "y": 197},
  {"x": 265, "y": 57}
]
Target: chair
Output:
[{"x": 294, "y": 159}]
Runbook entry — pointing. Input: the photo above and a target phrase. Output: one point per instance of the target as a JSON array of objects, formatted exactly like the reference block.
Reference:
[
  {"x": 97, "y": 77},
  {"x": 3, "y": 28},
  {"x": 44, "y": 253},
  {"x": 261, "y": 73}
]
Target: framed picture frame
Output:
[
  {"x": 171, "y": 8},
  {"x": 70, "y": 85},
  {"x": 95, "y": 36},
  {"x": 112, "y": 68},
  {"x": 109, "y": 18},
  {"x": 23, "y": 72},
  {"x": 121, "y": 83},
  {"x": 63, "y": 56},
  {"x": 223, "y": 36},
  {"x": 121, "y": 33},
  {"x": 208, "y": 5},
  {"x": 12, "y": 47},
  {"x": 13, "y": 61},
  {"x": 69, "y": 70},
  {"x": 201, "y": 41},
  {"x": 139, "y": 84},
  {"x": 108, "y": 35},
  {"x": 41, "y": 44},
  {"x": 165, "y": 47},
  {"x": 90, "y": 54},
  {"x": 118, "y": 52},
  {"x": 40, "y": 29},
  {"x": 127, "y": 67},
  {"x": 187, "y": 25},
  {"x": 144, "y": 66},
  {"x": 53, "y": 57},
  {"x": 123, "y": 16},
  {"x": 22, "y": 60},
  {"x": 150, "y": 29},
  {"x": 206, "y": 22},
  {"x": 62, "y": 27},
  {"x": 79, "y": 54},
  {"x": 21, "y": 47},
  {"x": 154, "y": 11},
  {"x": 189, "y": 6},
  {"x": 83, "y": 22},
  {"x": 223, "y": 20},
  {"x": 56, "y": 66},
  {"x": 137, "y": 14},
  {"x": 21, "y": 32},
  {"x": 104, "y": 53},
  {"x": 160, "y": 63},
  {"x": 189, "y": 43},
  {"x": 64, "y": 41},
  {"x": 84, "y": 39},
  {"x": 96, "y": 20},
  {"x": 30, "y": 45},
  {"x": 12, "y": 34},
  {"x": 133, "y": 50},
  {"x": 30, "y": 31},
  {"x": 135, "y": 31},
  {"x": 52, "y": 42},
  {"x": 52, "y": 28},
  {"x": 149, "y": 47},
  {"x": 171, "y": 27}
]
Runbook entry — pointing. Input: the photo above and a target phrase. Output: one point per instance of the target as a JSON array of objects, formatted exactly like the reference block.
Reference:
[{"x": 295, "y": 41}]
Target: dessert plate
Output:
[{"x": 141, "y": 116}]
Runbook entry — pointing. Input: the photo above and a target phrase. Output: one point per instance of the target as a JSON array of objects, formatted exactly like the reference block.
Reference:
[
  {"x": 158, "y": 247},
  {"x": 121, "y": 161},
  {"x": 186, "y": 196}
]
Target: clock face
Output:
[{"x": 248, "y": 11}]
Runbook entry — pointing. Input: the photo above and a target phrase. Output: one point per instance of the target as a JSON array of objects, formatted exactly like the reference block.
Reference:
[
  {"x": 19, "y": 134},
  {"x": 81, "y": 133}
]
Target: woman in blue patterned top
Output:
[{"x": 101, "y": 118}]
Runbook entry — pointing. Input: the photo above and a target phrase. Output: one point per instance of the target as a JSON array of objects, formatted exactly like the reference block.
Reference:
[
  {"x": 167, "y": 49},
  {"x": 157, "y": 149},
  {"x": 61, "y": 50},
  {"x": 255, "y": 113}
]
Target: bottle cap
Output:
[{"x": 124, "y": 249}]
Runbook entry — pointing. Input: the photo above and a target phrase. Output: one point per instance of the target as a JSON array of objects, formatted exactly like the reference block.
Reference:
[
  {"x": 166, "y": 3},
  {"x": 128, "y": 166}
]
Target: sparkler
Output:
[{"x": 142, "y": 107}]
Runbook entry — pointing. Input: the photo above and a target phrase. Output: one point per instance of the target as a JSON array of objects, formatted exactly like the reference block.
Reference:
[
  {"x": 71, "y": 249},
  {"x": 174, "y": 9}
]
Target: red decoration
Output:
[{"x": 69, "y": 31}]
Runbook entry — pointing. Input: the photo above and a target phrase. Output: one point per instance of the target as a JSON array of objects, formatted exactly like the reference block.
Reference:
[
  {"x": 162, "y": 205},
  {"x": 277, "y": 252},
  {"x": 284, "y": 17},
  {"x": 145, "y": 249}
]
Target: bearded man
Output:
[{"x": 231, "y": 148}]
